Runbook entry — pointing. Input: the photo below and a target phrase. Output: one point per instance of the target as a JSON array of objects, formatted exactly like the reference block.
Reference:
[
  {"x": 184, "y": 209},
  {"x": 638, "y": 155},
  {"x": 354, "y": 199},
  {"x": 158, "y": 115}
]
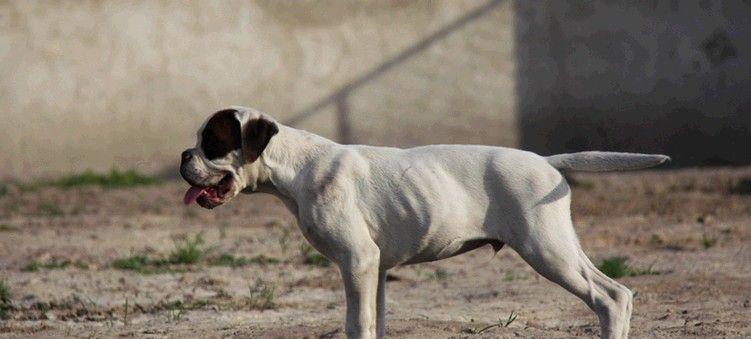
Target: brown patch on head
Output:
[
  {"x": 221, "y": 134},
  {"x": 257, "y": 134}
]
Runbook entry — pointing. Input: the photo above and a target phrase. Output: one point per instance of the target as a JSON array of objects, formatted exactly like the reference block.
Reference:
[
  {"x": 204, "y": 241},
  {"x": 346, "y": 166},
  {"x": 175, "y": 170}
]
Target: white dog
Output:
[{"x": 369, "y": 209}]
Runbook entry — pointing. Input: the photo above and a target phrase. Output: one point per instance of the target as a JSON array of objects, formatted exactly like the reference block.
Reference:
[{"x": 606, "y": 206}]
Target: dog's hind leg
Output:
[
  {"x": 612, "y": 286},
  {"x": 553, "y": 250}
]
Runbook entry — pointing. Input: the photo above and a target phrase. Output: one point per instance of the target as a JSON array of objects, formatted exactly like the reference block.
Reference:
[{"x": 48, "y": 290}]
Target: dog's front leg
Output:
[
  {"x": 360, "y": 275},
  {"x": 381, "y": 306}
]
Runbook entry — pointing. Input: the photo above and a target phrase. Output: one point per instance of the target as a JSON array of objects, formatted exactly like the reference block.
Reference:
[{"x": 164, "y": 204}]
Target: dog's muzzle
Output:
[{"x": 208, "y": 195}]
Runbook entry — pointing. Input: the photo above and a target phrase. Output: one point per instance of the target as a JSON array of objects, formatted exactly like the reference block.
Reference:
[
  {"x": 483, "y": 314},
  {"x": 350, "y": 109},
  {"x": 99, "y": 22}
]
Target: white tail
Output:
[{"x": 605, "y": 161}]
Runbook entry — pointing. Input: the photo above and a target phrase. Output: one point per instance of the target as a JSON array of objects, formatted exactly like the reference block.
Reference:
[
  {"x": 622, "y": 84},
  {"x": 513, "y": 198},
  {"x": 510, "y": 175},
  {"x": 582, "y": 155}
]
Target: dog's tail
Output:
[{"x": 605, "y": 161}]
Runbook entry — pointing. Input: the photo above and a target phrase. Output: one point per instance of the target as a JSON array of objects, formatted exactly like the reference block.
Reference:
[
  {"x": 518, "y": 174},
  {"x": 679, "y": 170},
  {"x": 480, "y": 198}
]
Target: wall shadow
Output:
[{"x": 656, "y": 77}]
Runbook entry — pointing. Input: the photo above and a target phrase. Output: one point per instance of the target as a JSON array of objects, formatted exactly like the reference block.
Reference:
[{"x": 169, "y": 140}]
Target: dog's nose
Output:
[{"x": 187, "y": 155}]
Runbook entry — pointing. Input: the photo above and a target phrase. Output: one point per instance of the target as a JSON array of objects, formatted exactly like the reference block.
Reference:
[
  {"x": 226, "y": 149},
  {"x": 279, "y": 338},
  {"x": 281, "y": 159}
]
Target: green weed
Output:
[
  {"x": 50, "y": 209},
  {"x": 188, "y": 251},
  {"x": 6, "y": 302},
  {"x": 143, "y": 264},
  {"x": 617, "y": 267},
  {"x": 113, "y": 179},
  {"x": 312, "y": 257},
  {"x": 261, "y": 296},
  {"x": 264, "y": 260},
  {"x": 708, "y": 241},
  {"x": 441, "y": 274},
  {"x": 134, "y": 263},
  {"x": 229, "y": 260},
  {"x": 7, "y": 228},
  {"x": 52, "y": 264},
  {"x": 175, "y": 311}
]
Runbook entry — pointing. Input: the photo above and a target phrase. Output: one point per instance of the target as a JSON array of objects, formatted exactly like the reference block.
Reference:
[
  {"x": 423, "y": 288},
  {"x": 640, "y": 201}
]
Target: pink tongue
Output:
[{"x": 192, "y": 194}]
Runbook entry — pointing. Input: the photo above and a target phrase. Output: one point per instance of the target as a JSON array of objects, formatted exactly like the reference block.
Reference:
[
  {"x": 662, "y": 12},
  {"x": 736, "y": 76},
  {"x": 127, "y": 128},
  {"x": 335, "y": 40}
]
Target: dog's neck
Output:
[{"x": 288, "y": 152}]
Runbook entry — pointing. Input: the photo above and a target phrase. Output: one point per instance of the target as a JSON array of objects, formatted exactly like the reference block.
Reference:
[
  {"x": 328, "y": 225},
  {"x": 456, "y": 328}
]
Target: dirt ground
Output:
[{"x": 688, "y": 230}]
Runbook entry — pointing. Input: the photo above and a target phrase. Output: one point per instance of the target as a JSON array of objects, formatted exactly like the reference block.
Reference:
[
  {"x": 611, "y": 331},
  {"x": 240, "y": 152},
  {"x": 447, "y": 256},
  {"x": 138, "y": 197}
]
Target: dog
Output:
[{"x": 369, "y": 209}]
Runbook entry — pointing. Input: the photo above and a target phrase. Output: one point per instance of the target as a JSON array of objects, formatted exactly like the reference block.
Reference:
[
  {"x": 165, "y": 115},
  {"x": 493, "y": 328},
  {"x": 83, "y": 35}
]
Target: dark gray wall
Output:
[{"x": 648, "y": 76}]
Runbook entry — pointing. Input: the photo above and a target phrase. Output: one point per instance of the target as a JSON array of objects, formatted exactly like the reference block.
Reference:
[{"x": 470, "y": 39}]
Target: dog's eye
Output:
[
  {"x": 214, "y": 149},
  {"x": 221, "y": 135}
]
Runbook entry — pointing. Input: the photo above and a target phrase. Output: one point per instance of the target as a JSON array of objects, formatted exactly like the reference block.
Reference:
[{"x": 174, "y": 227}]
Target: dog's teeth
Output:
[{"x": 193, "y": 193}]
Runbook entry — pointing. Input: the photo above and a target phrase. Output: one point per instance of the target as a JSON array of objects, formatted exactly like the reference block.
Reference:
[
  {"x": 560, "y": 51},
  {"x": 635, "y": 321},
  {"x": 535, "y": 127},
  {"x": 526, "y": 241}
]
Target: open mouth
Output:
[{"x": 209, "y": 196}]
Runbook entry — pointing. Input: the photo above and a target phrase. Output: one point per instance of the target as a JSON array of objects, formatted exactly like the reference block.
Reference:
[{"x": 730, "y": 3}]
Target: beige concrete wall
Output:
[{"x": 97, "y": 84}]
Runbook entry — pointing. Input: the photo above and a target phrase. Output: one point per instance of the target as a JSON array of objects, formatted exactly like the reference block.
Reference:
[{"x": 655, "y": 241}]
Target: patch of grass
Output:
[
  {"x": 143, "y": 264},
  {"x": 50, "y": 209},
  {"x": 264, "y": 260},
  {"x": 230, "y": 260},
  {"x": 614, "y": 267},
  {"x": 6, "y": 302},
  {"x": 115, "y": 178},
  {"x": 440, "y": 274},
  {"x": 52, "y": 264},
  {"x": 509, "y": 276},
  {"x": 31, "y": 267},
  {"x": 5, "y": 296},
  {"x": 134, "y": 263},
  {"x": 617, "y": 267},
  {"x": 261, "y": 296},
  {"x": 7, "y": 228},
  {"x": 175, "y": 311},
  {"x": 708, "y": 241},
  {"x": 311, "y": 257},
  {"x": 42, "y": 307},
  {"x": 188, "y": 251}
]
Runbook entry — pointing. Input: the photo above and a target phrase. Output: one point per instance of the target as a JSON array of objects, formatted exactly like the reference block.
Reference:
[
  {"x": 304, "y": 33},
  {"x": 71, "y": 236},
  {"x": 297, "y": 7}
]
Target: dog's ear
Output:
[
  {"x": 256, "y": 135},
  {"x": 221, "y": 134}
]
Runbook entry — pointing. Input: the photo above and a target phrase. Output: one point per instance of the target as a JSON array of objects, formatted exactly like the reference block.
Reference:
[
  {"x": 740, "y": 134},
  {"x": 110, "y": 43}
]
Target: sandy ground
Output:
[{"x": 687, "y": 226}]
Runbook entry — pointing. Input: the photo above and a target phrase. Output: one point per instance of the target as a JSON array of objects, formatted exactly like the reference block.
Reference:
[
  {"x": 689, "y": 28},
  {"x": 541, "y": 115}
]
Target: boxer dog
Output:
[{"x": 369, "y": 209}]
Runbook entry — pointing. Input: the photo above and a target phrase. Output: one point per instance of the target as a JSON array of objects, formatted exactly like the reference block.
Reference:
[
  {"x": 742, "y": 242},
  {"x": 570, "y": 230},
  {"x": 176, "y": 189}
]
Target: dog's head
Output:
[{"x": 226, "y": 158}]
